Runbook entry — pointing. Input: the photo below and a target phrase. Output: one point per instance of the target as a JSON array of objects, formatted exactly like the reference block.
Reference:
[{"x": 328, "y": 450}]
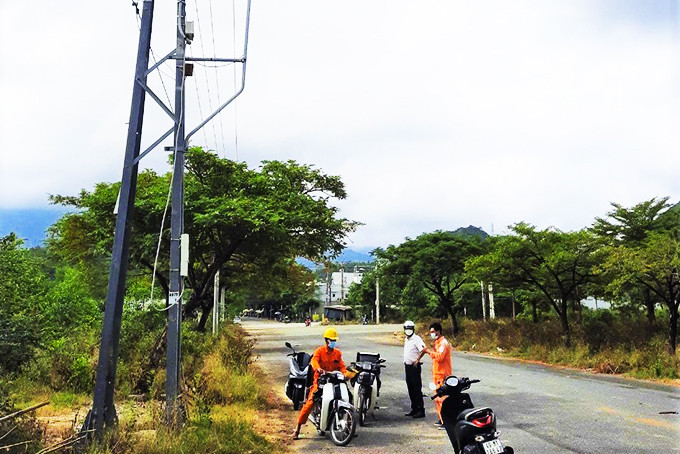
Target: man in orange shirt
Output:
[
  {"x": 325, "y": 359},
  {"x": 441, "y": 363}
]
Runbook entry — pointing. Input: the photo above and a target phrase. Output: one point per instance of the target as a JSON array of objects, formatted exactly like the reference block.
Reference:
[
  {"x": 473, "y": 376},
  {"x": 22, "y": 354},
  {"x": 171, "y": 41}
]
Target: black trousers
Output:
[{"x": 415, "y": 386}]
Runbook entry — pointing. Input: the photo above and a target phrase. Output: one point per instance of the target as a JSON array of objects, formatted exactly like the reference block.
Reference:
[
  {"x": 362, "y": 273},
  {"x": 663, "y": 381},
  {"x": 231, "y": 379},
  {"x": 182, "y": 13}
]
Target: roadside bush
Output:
[
  {"x": 603, "y": 342},
  {"x": 20, "y": 429},
  {"x": 142, "y": 349},
  {"x": 226, "y": 375},
  {"x": 224, "y": 436},
  {"x": 66, "y": 363},
  {"x": 18, "y": 342}
]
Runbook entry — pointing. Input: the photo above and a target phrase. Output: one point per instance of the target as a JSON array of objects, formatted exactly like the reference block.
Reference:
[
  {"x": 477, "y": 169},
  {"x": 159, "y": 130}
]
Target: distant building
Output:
[{"x": 334, "y": 290}]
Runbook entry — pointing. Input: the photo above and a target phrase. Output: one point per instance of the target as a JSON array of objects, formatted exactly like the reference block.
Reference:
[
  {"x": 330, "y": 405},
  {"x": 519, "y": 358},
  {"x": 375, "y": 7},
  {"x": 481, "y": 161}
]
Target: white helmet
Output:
[{"x": 408, "y": 324}]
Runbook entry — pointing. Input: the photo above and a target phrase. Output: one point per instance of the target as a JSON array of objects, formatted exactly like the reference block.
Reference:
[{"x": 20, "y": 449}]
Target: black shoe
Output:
[
  {"x": 418, "y": 414},
  {"x": 410, "y": 413}
]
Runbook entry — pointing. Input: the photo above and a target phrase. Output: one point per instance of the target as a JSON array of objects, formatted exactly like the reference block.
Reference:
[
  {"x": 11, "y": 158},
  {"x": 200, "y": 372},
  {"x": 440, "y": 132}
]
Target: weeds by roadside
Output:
[{"x": 600, "y": 344}]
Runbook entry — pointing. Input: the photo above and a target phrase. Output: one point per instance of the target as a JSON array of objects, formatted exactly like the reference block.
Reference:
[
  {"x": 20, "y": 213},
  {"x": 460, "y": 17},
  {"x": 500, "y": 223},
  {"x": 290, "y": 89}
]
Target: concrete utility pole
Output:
[
  {"x": 216, "y": 303},
  {"x": 492, "y": 308},
  {"x": 377, "y": 300},
  {"x": 103, "y": 413},
  {"x": 342, "y": 285},
  {"x": 176, "y": 225},
  {"x": 481, "y": 283}
]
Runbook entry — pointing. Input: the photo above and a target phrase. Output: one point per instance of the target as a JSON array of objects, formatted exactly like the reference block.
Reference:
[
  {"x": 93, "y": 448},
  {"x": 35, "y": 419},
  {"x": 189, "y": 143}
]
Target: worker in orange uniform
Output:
[
  {"x": 325, "y": 359},
  {"x": 441, "y": 363}
]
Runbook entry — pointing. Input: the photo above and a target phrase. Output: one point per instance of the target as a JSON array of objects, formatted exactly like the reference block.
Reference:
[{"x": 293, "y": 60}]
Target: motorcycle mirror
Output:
[
  {"x": 288, "y": 345},
  {"x": 432, "y": 386}
]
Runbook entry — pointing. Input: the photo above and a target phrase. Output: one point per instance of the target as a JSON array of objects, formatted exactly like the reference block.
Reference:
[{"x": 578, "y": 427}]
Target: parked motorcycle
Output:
[
  {"x": 366, "y": 383},
  {"x": 299, "y": 376},
  {"x": 471, "y": 430},
  {"x": 332, "y": 411}
]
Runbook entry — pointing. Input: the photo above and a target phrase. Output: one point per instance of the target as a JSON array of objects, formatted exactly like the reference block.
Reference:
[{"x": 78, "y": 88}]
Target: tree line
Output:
[
  {"x": 630, "y": 257},
  {"x": 247, "y": 223}
]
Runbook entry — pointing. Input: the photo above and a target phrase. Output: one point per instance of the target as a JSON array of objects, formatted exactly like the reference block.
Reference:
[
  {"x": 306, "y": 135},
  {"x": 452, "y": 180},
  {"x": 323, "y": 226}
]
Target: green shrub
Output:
[
  {"x": 20, "y": 429},
  {"x": 203, "y": 435}
]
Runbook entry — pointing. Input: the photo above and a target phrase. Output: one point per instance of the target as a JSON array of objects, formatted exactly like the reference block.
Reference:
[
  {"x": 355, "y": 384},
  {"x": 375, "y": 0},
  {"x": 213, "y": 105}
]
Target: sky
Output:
[{"x": 436, "y": 114}]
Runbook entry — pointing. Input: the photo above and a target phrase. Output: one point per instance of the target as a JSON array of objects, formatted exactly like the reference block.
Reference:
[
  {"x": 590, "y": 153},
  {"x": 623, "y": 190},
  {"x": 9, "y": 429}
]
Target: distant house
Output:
[{"x": 337, "y": 312}]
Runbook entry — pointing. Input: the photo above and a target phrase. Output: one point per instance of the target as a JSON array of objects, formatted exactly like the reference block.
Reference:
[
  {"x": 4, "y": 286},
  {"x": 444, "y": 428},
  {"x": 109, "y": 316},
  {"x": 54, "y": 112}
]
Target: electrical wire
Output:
[
  {"x": 200, "y": 109},
  {"x": 233, "y": 27},
  {"x": 153, "y": 55},
  {"x": 217, "y": 79},
  {"x": 207, "y": 82}
]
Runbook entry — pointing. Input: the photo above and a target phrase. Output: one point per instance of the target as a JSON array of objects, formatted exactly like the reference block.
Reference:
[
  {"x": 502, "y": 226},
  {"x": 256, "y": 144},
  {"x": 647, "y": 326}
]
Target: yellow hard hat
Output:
[{"x": 331, "y": 334}]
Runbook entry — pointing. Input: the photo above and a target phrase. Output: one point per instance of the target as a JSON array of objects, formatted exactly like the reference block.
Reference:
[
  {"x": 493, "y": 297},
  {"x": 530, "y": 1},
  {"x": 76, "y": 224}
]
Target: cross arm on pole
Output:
[
  {"x": 154, "y": 145},
  {"x": 160, "y": 62},
  {"x": 153, "y": 95},
  {"x": 223, "y": 60}
]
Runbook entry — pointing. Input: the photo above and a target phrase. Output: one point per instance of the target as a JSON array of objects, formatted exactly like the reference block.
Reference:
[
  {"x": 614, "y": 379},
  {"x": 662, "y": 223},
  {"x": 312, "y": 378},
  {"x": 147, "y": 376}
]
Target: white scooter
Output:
[{"x": 332, "y": 410}]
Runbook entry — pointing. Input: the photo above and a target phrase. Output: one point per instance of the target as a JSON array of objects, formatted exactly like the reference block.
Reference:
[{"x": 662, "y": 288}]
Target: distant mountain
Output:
[
  {"x": 347, "y": 255},
  {"x": 472, "y": 231},
  {"x": 29, "y": 224}
]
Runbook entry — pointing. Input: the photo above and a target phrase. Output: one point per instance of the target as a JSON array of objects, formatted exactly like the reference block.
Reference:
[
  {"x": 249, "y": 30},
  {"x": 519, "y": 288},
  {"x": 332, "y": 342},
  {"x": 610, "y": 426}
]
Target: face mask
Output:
[
  {"x": 331, "y": 345},
  {"x": 408, "y": 332},
  {"x": 433, "y": 335}
]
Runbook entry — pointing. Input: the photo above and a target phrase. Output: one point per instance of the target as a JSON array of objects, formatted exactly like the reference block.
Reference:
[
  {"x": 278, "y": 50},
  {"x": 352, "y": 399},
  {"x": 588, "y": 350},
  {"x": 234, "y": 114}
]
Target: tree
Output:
[
  {"x": 553, "y": 262},
  {"x": 437, "y": 262},
  {"x": 629, "y": 228},
  {"x": 240, "y": 221},
  {"x": 22, "y": 288},
  {"x": 653, "y": 265},
  {"x": 495, "y": 267}
]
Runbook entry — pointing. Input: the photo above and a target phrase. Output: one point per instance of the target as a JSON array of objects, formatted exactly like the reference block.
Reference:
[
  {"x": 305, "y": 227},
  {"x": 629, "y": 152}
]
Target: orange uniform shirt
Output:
[
  {"x": 441, "y": 359},
  {"x": 328, "y": 360}
]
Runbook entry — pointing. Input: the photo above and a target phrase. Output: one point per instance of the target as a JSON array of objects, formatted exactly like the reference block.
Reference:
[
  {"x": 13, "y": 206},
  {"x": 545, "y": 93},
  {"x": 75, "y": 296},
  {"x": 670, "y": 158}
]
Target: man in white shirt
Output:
[{"x": 413, "y": 347}]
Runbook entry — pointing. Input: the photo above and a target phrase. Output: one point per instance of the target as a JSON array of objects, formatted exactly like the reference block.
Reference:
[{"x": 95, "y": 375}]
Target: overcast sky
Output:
[{"x": 436, "y": 114}]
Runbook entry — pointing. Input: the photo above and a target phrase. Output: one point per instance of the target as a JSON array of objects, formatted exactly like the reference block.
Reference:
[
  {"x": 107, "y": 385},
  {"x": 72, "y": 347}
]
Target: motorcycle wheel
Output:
[
  {"x": 362, "y": 408},
  {"x": 343, "y": 426},
  {"x": 296, "y": 405}
]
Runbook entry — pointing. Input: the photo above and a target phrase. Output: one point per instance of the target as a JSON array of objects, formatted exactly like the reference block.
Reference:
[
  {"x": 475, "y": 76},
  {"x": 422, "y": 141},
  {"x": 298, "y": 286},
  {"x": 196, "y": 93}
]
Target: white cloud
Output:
[{"x": 435, "y": 114}]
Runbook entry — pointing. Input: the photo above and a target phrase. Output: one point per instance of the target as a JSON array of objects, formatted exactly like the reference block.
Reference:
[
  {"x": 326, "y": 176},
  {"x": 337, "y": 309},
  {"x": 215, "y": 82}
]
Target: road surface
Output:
[{"x": 539, "y": 409}]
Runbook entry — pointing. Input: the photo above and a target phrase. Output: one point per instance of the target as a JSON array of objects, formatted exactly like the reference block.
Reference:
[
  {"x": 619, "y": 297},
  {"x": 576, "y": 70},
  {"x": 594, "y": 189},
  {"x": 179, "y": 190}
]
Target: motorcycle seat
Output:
[{"x": 465, "y": 413}]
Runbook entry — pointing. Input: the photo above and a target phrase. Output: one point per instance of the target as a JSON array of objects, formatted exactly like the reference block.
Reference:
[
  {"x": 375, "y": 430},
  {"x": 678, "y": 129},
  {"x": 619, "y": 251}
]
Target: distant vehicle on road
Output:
[{"x": 237, "y": 320}]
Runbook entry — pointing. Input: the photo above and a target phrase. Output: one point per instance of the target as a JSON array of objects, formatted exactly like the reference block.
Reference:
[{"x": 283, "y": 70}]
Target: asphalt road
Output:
[{"x": 539, "y": 409}]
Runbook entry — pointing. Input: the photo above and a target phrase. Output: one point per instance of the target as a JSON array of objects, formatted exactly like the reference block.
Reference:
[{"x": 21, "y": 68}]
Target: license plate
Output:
[{"x": 493, "y": 447}]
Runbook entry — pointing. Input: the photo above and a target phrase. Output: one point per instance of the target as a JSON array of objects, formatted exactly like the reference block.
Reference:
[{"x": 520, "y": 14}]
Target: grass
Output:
[
  {"x": 225, "y": 396},
  {"x": 605, "y": 346}
]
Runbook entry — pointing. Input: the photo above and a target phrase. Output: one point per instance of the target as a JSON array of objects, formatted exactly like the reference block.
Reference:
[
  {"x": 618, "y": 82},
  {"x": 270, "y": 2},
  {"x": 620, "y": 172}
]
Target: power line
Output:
[
  {"x": 200, "y": 109},
  {"x": 233, "y": 23},
  {"x": 207, "y": 82},
  {"x": 153, "y": 55},
  {"x": 217, "y": 79}
]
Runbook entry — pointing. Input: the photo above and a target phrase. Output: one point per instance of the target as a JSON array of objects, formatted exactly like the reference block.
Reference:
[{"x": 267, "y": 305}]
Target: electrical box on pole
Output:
[{"x": 184, "y": 255}]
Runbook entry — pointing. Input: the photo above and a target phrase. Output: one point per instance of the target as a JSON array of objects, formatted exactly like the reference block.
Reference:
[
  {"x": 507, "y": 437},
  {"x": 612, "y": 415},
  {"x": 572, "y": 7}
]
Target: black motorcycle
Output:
[
  {"x": 366, "y": 383},
  {"x": 471, "y": 430},
  {"x": 300, "y": 376}
]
